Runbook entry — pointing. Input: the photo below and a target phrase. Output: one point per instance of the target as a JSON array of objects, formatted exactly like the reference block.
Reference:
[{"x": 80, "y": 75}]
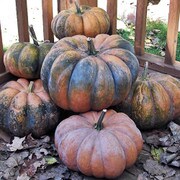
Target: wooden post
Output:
[
  {"x": 140, "y": 28},
  {"x": 22, "y": 20},
  {"x": 47, "y": 18},
  {"x": 112, "y": 11},
  {"x": 172, "y": 32},
  {"x": 2, "y": 68}
]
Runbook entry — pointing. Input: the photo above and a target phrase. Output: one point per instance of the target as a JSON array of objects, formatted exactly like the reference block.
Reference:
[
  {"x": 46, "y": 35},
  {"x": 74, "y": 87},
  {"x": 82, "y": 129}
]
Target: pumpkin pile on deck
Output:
[{"x": 89, "y": 73}]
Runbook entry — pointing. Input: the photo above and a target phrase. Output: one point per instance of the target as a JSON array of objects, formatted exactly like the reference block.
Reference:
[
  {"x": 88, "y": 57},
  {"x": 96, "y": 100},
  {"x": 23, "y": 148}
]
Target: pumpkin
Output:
[
  {"x": 27, "y": 108},
  {"x": 83, "y": 74},
  {"x": 98, "y": 144},
  {"x": 84, "y": 20},
  {"x": 153, "y": 101},
  {"x": 24, "y": 59}
]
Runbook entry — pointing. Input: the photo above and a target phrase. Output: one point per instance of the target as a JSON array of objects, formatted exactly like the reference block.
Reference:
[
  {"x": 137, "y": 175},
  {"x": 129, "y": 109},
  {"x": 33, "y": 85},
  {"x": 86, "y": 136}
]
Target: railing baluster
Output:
[
  {"x": 140, "y": 27},
  {"x": 112, "y": 11},
  {"x": 2, "y": 68},
  {"x": 22, "y": 20},
  {"x": 172, "y": 32},
  {"x": 47, "y": 18}
]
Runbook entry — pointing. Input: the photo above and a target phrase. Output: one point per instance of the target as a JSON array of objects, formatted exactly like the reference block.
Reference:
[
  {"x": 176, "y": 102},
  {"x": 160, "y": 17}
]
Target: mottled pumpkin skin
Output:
[
  {"x": 154, "y": 101},
  {"x": 90, "y": 22},
  {"x": 25, "y": 59},
  {"x": 24, "y": 112},
  {"x": 104, "y": 153},
  {"x": 81, "y": 82}
]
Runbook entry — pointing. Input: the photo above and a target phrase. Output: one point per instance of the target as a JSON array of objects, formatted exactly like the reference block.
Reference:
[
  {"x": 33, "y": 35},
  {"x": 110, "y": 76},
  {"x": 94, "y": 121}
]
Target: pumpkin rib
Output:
[
  {"x": 152, "y": 99},
  {"x": 120, "y": 150},
  {"x": 102, "y": 160},
  {"x": 154, "y": 102},
  {"x": 72, "y": 87},
  {"x": 132, "y": 143},
  {"x": 22, "y": 67},
  {"x": 96, "y": 20},
  {"x": 125, "y": 131},
  {"x": 98, "y": 92},
  {"x": 123, "y": 55},
  {"x": 79, "y": 151},
  {"x": 85, "y": 133},
  {"x": 172, "y": 108},
  {"x": 118, "y": 82}
]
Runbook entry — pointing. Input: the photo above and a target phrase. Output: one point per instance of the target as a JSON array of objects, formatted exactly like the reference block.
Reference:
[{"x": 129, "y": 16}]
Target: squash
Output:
[
  {"x": 153, "y": 101},
  {"x": 24, "y": 59},
  {"x": 83, "y": 74},
  {"x": 98, "y": 144},
  {"x": 84, "y": 20},
  {"x": 27, "y": 108}
]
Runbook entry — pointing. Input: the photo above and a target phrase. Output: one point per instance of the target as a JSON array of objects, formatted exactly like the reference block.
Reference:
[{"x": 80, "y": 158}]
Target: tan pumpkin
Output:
[
  {"x": 153, "y": 101},
  {"x": 27, "y": 108},
  {"x": 83, "y": 74},
  {"x": 98, "y": 144},
  {"x": 85, "y": 20}
]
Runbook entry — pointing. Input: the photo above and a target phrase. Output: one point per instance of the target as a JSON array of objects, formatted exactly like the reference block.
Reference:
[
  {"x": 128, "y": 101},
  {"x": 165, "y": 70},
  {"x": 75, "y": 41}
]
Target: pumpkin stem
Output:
[
  {"x": 33, "y": 35},
  {"x": 77, "y": 7},
  {"x": 91, "y": 48},
  {"x": 144, "y": 74},
  {"x": 30, "y": 87},
  {"x": 99, "y": 124}
]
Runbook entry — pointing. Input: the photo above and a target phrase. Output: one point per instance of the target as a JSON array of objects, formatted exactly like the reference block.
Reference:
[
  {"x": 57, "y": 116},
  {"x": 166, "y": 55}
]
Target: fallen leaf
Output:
[
  {"x": 16, "y": 144},
  {"x": 50, "y": 160},
  {"x": 156, "y": 153}
]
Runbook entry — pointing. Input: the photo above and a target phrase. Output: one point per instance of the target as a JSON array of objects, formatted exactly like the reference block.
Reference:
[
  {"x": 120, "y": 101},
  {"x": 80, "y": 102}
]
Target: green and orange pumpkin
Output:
[
  {"x": 83, "y": 74},
  {"x": 84, "y": 20},
  {"x": 27, "y": 108},
  {"x": 153, "y": 101},
  {"x": 24, "y": 59},
  {"x": 98, "y": 144}
]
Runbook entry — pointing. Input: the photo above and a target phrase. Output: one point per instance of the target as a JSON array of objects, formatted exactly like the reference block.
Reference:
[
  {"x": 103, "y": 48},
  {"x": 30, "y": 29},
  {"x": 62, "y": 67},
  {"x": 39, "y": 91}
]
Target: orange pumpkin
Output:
[
  {"x": 85, "y": 20},
  {"x": 153, "y": 101},
  {"x": 83, "y": 74},
  {"x": 27, "y": 108},
  {"x": 98, "y": 144}
]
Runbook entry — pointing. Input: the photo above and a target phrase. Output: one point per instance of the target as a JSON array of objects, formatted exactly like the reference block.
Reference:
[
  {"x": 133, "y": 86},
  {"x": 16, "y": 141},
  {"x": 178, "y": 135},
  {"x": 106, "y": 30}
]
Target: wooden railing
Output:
[{"x": 167, "y": 65}]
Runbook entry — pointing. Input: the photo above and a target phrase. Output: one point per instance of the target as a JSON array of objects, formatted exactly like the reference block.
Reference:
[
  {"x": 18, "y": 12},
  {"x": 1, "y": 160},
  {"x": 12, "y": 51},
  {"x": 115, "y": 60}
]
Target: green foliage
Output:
[{"x": 155, "y": 42}]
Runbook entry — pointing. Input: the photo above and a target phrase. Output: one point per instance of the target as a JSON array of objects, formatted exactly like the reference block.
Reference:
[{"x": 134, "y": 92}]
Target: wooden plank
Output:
[
  {"x": 2, "y": 68},
  {"x": 140, "y": 26},
  {"x": 65, "y": 4},
  {"x": 6, "y": 76},
  {"x": 47, "y": 12},
  {"x": 112, "y": 11},
  {"x": 172, "y": 32},
  {"x": 157, "y": 63},
  {"x": 22, "y": 20}
]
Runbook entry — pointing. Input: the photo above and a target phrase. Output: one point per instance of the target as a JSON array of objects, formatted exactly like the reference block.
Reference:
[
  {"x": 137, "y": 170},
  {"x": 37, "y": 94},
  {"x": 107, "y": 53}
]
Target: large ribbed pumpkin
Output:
[
  {"x": 153, "y": 101},
  {"x": 85, "y": 20},
  {"x": 98, "y": 144},
  {"x": 26, "y": 108},
  {"x": 83, "y": 74},
  {"x": 24, "y": 59}
]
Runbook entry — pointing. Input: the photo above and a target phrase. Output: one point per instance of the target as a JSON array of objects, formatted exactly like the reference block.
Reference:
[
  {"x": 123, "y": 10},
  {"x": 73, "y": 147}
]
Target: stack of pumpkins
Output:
[{"x": 86, "y": 72}]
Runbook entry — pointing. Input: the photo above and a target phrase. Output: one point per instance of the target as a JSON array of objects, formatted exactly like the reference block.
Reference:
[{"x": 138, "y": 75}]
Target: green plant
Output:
[{"x": 155, "y": 42}]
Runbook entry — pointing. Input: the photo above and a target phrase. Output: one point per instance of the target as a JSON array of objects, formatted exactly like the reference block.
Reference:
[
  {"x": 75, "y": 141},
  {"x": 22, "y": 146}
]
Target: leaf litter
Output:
[{"x": 29, "y": 158}]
